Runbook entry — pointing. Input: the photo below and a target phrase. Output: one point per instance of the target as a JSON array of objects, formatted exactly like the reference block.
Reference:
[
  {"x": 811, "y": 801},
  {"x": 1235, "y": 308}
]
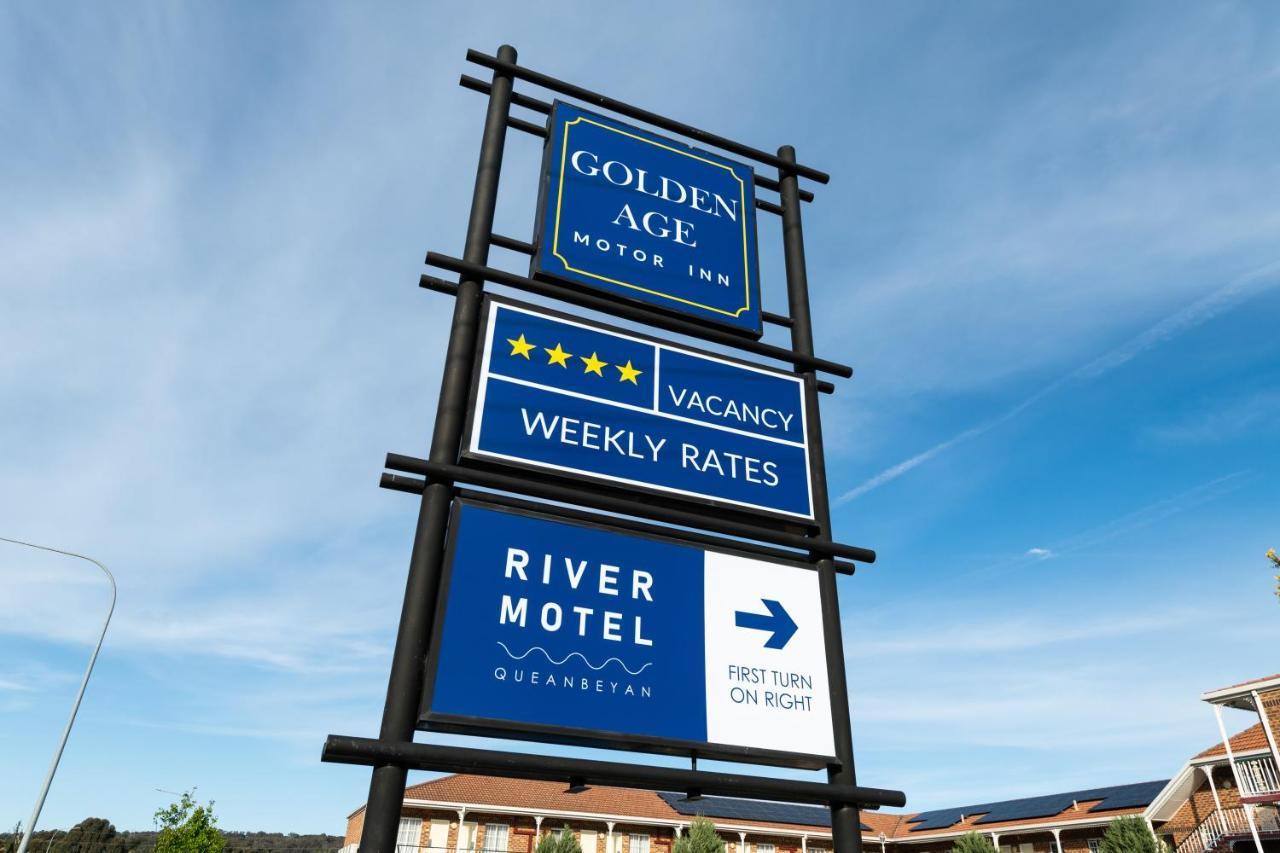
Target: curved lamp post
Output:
[{"x": 84, "y": 682}]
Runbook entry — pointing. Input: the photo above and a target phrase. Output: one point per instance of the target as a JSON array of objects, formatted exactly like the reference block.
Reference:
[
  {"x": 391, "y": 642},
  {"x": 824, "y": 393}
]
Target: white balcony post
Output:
[
  {"x": 457, "y": 839},
  {"x": 1266, "y": 727},
  {"x": 537, "y": 827},
  {"x": 1217, "y": 803},
  {"x": 804, "y": 844},
  {"x": 742, "y": 837},
  {"x": 608, "y": 844},
  {"x": 995, "y": 841},
  {"x": 1231, "y": 757},
  {"x": 1057, "y": 840}
]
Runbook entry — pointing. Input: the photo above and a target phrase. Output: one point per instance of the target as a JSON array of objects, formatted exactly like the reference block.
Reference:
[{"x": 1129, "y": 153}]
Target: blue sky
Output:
[{"x": 1051, "y": 248}]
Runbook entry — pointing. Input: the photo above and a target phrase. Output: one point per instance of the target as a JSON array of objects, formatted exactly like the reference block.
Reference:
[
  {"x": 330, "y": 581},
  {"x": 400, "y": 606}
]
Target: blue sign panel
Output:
[
  {"x": 649, "y": 219},
  {"x": 553, "y": 627},
  {"x": 563, "y": 395}
]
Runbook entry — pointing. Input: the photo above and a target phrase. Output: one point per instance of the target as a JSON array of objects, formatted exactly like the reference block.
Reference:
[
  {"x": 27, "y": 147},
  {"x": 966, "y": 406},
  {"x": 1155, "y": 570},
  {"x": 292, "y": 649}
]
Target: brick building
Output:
[{"x": 1223, "y": 799}]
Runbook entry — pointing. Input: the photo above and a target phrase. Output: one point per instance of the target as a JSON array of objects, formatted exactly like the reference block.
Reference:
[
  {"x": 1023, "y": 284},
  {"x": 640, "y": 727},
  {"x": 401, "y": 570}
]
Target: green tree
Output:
[
  {"x": 15, "y": 838},
  {"x": 91, "y": 835},
  {"x": 1129, "y": 835},
  {"x": 563, "y": 841},
  {"x": 973, "y": 842},
  {"x": 701, "y": 837},
  {"x": 186, "y": 827}
]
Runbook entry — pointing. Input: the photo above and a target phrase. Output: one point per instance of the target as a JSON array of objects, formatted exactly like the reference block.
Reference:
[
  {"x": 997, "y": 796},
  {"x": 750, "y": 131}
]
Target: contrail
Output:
[{"x": 1198, "y": 312}]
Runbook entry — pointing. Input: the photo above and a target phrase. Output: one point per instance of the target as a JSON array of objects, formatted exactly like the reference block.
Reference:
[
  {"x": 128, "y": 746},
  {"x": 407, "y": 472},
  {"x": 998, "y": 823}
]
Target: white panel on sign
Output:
[{"x": 766, "y": 661}]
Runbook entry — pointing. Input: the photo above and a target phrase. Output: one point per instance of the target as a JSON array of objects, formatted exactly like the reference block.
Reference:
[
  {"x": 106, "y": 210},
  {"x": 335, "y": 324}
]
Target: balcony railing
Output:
[
  {"x": 1258, "y": 777},
  {"x": 1228, "y": 822}
]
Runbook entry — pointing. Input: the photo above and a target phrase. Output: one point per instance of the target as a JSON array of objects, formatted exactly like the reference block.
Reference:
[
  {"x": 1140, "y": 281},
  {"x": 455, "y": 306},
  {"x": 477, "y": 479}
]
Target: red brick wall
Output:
[
  {"x": 1077, "y": 840},
  {"x": 1200, "y": 805},
  {"x": 355, "y": 826}
]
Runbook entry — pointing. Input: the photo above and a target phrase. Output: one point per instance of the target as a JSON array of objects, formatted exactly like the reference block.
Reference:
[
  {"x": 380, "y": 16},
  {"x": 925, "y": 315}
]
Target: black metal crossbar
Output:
[
  {"x": 450, "y": 288},
  {"x": 483, "y": 87},
  {"x": 546, "y": 81},
  {"x": 527, "y": 126},
  {"x": 478, "y": 85},
  {"x": 415, "y": 485},
  {"x": 502, "y": 241},
  {"x": 342, "y": 749},
  {"x": 770, "y": 184},
  {"x": 481, "y": 272},
  {"x": 662, "y": 511},
  {"x": 512, "y": 244}
]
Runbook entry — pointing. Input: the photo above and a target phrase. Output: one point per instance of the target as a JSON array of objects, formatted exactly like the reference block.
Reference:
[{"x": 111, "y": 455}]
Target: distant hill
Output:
[{"x": 145, "y": 842}]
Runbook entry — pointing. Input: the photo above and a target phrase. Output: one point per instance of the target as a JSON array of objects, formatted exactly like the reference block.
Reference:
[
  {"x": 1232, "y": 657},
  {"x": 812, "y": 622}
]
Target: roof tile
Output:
[{"x": 1252, "y": 738}]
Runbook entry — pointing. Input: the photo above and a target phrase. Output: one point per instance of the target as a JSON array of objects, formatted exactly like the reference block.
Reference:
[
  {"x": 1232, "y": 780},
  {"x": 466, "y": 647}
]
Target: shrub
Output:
[
  {"x": 700, "y": 838},
  {"x": 563, "y": 841},
  {"x": 973, "y": 842},
  {"x": 1129, "y": 835}
]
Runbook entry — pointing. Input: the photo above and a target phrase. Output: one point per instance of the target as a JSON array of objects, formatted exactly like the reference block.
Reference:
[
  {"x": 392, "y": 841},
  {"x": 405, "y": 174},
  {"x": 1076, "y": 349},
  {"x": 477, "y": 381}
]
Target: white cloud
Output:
[
  {"x": 1040, "y": 553},
  {"x": 1200, "y": 311},
  {"x": 1219, "y": 420}
]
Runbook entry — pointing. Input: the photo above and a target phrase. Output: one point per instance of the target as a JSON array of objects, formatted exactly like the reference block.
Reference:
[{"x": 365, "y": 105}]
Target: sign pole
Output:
[
  {"x": 404, "y": 687},
  {"x": 846, "y": 835}
]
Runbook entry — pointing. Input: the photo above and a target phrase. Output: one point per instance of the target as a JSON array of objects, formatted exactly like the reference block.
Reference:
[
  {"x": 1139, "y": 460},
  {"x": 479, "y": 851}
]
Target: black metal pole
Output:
[
  {"x": 404, "y": 687},
  {"x": 846, "y": 835}
]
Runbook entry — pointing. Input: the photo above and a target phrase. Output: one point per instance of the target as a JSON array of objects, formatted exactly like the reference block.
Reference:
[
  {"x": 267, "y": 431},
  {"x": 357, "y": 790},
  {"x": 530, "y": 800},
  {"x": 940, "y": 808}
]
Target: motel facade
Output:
[{"x": 1225, "y": 799}]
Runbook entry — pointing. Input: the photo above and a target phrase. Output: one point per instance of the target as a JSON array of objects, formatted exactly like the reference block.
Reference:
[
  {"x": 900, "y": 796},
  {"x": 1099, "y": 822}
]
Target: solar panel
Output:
[
  {"x": 1114, "y": 797},
  {"x": 942, "y": 818},
  {"x": 759, "y": 810},
  {"x": 1025, "y": 809},
  {"x": 1131, "y": 796}
]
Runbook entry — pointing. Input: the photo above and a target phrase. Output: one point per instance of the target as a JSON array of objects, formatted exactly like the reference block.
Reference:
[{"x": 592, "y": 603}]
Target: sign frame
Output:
[
  {"x": 570, "y": 736},
  {"x": 578, "y": 478},
  {"x": 630, "y": 292}
]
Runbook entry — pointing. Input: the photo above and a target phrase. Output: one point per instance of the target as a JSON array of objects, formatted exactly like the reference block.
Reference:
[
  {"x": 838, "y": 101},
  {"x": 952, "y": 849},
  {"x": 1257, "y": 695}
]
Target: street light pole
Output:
[{"x": 84, "y": 682}]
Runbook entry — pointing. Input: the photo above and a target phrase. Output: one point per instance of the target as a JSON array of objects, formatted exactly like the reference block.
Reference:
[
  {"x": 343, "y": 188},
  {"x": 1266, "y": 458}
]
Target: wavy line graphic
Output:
[{"x": 565, "y": 659}]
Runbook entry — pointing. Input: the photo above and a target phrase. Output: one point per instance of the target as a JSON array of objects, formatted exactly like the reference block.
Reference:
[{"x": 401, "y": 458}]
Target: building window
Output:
[
  {"x": 495, "y": 838},
  {"x": 764, "y": 848},
  {"x": 409, "y": 833},
  {"x": 639, "y": 843},
  {"x": 1095, "y": 845}
]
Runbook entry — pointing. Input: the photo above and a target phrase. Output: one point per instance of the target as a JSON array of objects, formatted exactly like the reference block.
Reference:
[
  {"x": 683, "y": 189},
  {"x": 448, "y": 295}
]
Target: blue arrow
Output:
[{"x": 778, "y": 621}]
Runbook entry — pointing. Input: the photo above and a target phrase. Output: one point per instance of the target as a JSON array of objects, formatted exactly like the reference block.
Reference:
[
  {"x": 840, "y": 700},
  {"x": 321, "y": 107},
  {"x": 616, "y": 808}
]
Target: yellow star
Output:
[
  {"x": 520, "y": 347},
  {"x": 628, "y": 372},
  {"x": 558, "y": 356},
  {"x": 594, "y": 365}
]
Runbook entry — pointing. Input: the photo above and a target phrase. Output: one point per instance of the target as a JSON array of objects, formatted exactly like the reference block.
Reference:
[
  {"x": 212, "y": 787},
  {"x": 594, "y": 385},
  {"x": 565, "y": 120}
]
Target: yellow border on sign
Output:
[{"x": 742, "y": 187}]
